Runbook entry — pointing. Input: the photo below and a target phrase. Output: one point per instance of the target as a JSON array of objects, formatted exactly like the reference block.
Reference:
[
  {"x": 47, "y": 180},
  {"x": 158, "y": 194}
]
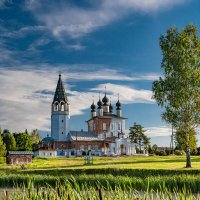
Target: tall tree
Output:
[
  {"x": 10, "y": 142},
  {"x": 35, "y": 138},
  {"x": 23, "y": 141},
  {"x": 2, "y": 147},
  {"x": 177, "y": 91},
  {"x": 138, "y": 137}
]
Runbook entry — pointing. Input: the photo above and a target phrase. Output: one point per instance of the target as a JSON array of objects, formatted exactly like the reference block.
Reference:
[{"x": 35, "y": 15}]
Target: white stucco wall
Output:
[
  {"x": 60, "y": 125},
  {"x": 46, "y": 154}
]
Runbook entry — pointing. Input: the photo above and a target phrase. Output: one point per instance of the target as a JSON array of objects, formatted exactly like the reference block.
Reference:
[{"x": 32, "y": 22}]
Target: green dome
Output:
[{"x": 47, "y": 139}]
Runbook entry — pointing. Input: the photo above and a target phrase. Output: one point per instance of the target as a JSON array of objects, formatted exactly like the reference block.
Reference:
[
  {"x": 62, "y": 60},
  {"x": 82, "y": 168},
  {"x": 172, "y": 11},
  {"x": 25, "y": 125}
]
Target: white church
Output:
[{"x": 105, "y": 135}]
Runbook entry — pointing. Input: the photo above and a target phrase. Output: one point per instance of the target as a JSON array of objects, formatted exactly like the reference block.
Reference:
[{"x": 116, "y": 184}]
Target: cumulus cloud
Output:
[
  {"x": 62, "y": 18},
  {"x": 127, "y": 94},
  {"x": 27, "y": 95},
  {"x": 158, "y": 131}
]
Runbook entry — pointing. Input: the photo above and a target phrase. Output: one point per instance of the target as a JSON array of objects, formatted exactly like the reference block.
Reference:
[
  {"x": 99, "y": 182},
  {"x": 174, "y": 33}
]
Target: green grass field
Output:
[
  {"x": 125, "y": 173},
  {"x": 151, "y": 162},
  {"x": 137, "y": 171}
]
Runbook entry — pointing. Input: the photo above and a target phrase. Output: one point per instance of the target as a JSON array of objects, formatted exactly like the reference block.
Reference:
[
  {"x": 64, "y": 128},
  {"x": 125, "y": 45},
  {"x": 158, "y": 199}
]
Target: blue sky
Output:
[{"x": 93, "y": 43}]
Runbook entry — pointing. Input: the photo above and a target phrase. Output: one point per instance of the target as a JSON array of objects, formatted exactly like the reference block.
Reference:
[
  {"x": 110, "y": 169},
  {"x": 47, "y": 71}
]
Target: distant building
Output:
[
  {"x": 163, "y": 148},
  {"x": 105, "y": 135},
  {"x": 19, "y": 157}
]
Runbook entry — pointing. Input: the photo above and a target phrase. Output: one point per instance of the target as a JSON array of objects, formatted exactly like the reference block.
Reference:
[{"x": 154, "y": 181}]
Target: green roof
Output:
[{"x": 47, "y": 139}]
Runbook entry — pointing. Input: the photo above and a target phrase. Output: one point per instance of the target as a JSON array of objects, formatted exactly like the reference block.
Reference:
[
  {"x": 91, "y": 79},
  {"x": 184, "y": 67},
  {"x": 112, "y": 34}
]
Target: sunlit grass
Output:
[
  {"x": 151, "y": 162},
  {"x": 121, "y": 171},
  {"x": 134, "y": 162}
]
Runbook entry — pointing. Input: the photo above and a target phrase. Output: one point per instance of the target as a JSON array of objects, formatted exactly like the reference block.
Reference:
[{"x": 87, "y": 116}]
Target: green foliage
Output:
[
  {"x": 162, "y": 153},
  {"x": 10, "y": 142},
  {"x": 35, "y": 138},
  {"x": 2, "y": 147},
  {"x": 179, "y": 152},
  {"x": 152, "y": 149},
  {"x": 178, "y": 90},
  {"x": 138, "y": 137},
  {"x": 23, "y": 141},
  {"x": 6, "y": 131},
  {"x": 182, "y": 140}
]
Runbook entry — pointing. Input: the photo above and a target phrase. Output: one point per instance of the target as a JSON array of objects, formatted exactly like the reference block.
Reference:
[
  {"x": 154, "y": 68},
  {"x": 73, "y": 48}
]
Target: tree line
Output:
[
  {"x": 22, "y": 141},
  {"x": 142, "y": 142}
]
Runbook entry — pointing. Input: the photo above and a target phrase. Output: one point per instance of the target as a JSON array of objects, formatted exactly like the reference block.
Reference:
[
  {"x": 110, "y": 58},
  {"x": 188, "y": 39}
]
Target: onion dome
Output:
[
  {"x": 118, "y": 105},
  {"x": 105, "y": 100},
  {"x": 99, "y": 103},
  {"x": 93, "y": 107},
  {"x": 110, "y": 108}
]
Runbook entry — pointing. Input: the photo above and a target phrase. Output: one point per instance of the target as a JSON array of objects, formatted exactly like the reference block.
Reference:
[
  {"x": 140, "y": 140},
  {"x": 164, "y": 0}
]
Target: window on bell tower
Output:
[{"x": 62, "y": 107}]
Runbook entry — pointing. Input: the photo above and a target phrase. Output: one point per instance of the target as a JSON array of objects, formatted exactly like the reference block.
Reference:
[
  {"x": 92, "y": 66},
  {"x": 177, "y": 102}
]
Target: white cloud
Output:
[
  {"x": 127, "y": 94},
  {"x": 66, "y": 19},
  {"x": 38, "y": 43},
  {"x": 24, "y": 105},
  {"x": 158, "y": 131},
  {"x": 111, "y": 74},
  {"x": 77, "y": 47},
  {"x": 22, "y": 31}
]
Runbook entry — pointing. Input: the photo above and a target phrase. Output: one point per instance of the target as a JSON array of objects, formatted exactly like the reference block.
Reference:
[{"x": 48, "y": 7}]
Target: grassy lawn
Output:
[
  {"x": 151, "y": 162},
  {"x": 124, "y": 171}
]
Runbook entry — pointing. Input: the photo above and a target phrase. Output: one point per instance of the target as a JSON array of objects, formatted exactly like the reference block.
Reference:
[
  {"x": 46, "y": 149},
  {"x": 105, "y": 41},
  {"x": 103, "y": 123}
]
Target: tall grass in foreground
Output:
[
  {"x": 70, "y": 190},
  {"x": 156, "y": 183}
]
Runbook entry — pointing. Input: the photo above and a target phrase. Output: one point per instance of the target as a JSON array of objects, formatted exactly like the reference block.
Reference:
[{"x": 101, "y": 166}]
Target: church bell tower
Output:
[{"x": 60, "y": 113}]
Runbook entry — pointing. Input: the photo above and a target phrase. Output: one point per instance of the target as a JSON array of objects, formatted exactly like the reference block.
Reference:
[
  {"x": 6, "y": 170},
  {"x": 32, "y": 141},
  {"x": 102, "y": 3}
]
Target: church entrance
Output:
[
  {"x": 106, "y": 148},
  {"x": 123, "y": 149}
]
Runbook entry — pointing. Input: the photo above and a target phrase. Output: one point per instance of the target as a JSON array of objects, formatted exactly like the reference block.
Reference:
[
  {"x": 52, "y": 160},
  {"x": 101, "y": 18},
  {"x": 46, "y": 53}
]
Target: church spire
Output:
[{"x": 60, "y": 94}]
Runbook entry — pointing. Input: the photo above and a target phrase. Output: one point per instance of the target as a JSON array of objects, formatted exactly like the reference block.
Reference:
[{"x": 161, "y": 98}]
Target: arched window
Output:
[
  {"x": 56, "y": 106},
  {"x": 62, "y": 106}
]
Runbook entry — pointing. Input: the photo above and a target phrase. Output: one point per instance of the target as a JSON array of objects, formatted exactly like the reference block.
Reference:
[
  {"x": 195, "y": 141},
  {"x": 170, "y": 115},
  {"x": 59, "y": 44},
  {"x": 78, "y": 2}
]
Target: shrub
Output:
[
  {"x": 179, "y": 152},
  {"x": 162, "y": 153},
  {"x": 157, "y": 152},
  {"x": 168, "y": 152}
]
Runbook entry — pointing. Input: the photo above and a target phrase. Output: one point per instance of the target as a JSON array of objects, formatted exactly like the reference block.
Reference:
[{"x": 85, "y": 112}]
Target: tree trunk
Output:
[{"x": 188, "y": 161}]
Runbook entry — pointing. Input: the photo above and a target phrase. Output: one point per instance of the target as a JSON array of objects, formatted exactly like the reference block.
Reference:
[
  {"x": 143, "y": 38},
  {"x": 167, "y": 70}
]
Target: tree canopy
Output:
[
  {"x": 23, "y": 141},
  {"x": 137, "y": 136},
  {"x": 177, "y": 91},
  {"x": 2, "y": 147},
  {"x": 10, "y": 142}
]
